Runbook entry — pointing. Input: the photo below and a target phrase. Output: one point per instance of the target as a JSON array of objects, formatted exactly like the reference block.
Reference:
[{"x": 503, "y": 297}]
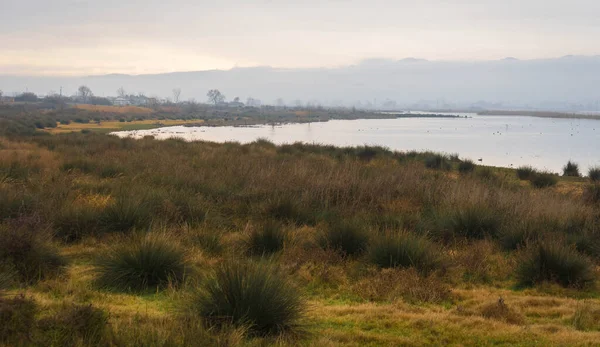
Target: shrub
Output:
[
  {"x": 485, "y": 173},
  {"x": 347, "y": 238},
  {"x": 525, "y": 172},
  {"x": 594, "y": 174},
  {"x": 209, "y": 241},
  {"x": 17, "y": 318},
  {"x": 437, "y": 161},
  {"x": 591, "y": 194},
  {"x": 73, "y": 323},
  {"x": 254, "y": 295},
  {"x": 500, "y": 311},
  {"x": 571, "y": 169},
  {"x": 15, "y": 203},
  {"x": 475, "y": 222},
  {"x": 404, "y": 250},
  {"x": 29, "y": 254},
  {"x": 466, "y": 166},
  {"x": 266, "y": 240},
  {"x": 153, "y": 262},
  {"x": 515, "y": 236},
  {"x": 124, "y": 214},
  {"x": 289, "y": 211},
  {"x": 544, "y": 180},
  {"x": 74, "y": 221},
  {"x": 554, "y": 262}
]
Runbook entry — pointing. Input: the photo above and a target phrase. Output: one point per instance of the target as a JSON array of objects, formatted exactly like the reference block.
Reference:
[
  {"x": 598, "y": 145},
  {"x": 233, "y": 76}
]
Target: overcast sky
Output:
[{"x": 83, "y": 37}]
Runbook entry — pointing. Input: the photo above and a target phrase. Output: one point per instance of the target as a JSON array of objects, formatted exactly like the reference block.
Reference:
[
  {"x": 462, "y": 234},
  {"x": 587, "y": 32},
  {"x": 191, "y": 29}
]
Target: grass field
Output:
[{"x": 123, "y": 242}]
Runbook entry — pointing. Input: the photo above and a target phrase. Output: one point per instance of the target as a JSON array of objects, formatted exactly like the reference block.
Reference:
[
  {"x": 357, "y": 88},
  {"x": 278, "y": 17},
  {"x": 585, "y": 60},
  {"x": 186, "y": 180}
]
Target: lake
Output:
[{"x": 508, "y": 141}]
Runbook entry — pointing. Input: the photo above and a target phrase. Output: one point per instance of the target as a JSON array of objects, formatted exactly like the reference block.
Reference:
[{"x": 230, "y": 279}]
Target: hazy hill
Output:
[{"x": 571, "y": 82}]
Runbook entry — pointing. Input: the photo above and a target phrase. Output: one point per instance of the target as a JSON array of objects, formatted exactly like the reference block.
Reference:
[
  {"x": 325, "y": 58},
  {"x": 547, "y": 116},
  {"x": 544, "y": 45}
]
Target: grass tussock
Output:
[
  {"x": 155, "y": 262},
  {"x": 347, "y": 238},
  {"x": 591, "y": 194},
  {"x": 75, "y": 324},
  {"x": 502, "y": 312},
  {"x": 252, "y": 295},
  {"x": 438, "y": 162},
  {"x": 266, "y": 240},
  {"x": 17, "y": 320},
  {"x": 29, "y": 255},
  {"x": 405, "y": 250},
  {"x": 557, "y": 263}
]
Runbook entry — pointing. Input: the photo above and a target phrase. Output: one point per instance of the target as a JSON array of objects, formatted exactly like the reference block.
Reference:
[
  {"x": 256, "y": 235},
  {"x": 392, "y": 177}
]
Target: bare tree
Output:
[
  {"x": 85, "y": 93},
  {"x": 121, "y": 92},
  {"x": 215, "y": 96},
  {"x": 176, "y": 95}
]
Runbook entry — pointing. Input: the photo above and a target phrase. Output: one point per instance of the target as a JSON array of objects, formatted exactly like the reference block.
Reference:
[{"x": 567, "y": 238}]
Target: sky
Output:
[{"x": 92, "y": 37}]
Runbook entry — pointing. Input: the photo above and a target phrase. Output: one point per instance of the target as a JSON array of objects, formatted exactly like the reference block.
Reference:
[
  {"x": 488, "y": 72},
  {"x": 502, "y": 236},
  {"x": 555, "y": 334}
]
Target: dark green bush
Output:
[
  {"x": 474, "y": 222},
  {"x": 266, "y": 240},
  {"x": 591, "y": 194},
  {"x": 466, "y": 166},
  {"x": 17, "y": 319},
  {"x": 594, "y": 174},
  {"x": 252, "y": 295},
  {"x": 405, "y": 250},
  {"x": 152, "y": 263},
  {"x": 29, "y": 254},
  {"x": 438, "y": 161},
  {"x": 125, "y": 214},
  {"x": 516, "y": 236},
  {"x": 555, "y": 262},
  {"x": 544, "y": 180},
  {"x": 525, "y": 172},
  {"x": 571, "y": 169},
  {"x": 289, "y": 211},
  {"x": 73, "y": 324},
  {"x": 347, "y": 238}
]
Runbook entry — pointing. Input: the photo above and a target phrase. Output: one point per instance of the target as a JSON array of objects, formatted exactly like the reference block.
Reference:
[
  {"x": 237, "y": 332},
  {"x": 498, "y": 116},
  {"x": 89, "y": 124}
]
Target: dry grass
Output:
[{"x": 115, "y": 109}]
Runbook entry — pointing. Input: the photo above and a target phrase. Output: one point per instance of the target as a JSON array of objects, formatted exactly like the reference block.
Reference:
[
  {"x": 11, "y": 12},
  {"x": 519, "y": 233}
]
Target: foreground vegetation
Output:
[{"x": 110, "y": 241}]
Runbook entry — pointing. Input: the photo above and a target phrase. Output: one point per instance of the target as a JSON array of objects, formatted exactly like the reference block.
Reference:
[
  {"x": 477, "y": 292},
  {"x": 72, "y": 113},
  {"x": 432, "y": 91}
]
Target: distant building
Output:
[{"x": 121, "y": 102}]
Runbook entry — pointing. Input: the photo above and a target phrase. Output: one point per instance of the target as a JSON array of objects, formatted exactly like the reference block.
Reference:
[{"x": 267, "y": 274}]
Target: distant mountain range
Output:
[{"x": 567, "y": 83}]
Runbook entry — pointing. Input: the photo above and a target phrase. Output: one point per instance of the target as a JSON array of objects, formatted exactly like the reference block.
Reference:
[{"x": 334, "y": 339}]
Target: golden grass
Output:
[
  {"x": 116, "y": 125},
  {"x": 115, "y": 109}
]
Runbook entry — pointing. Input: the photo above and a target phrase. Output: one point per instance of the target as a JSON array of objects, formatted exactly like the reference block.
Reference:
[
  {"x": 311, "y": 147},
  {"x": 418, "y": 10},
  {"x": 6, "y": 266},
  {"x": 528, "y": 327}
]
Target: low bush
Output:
[
  {"x": 525, "y": 172},
  {"x": 266, "y": 240},
  {"x": 571, "y": 170},
  {"x": 591, "y": 194},
  {"x": 474, "y": 222},
  {"x": 347, "y": 238},
  {"x": 17, "y": 319},
  {"x": 486, "y": 173},
  {"x": 391, "y": 250},
  {"x": 252, "y": 295},
  {"x": 594, "y": 174},
  {"x": 466, "y": 166},
  {"x": 72, "y": 222},
  {"x": 30, "y": 255},
  {"x": 438, "y": 161},
  {"x": 152, "y": 263},
  {"x": 555, "y": 262},
  {"x": 125, "y": 214},
  {"x": 544, "y": 180},
  {"x": 74, "y": 324}
]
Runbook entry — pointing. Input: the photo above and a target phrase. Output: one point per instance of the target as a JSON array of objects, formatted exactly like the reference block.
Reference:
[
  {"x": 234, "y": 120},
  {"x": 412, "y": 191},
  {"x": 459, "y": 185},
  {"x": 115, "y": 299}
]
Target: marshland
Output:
[{"x": 145, "y": 242}]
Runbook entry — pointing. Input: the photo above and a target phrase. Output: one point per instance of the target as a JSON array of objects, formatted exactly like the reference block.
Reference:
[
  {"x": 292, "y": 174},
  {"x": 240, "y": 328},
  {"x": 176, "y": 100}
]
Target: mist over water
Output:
[{"x": 507, "y": 141}]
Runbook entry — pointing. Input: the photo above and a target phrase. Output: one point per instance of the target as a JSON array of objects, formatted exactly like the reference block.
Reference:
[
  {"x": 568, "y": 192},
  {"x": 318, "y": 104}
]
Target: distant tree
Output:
[
  {"x": 193, "y": 106},
  {"x": 1, "y": 93},
  {"x": 215, "y": 96},
  {"x": 153, "y": 103},
  {"x": 279, "y": 102},
  {"x": 85, "y": 93},
  {"x": 26, "y": 97},
  {"x": 121, "y": 92},
  {"x": 96, "y": 100},
  {"x": 236, "y": 99},
  {"x": 176, "y": 95}
]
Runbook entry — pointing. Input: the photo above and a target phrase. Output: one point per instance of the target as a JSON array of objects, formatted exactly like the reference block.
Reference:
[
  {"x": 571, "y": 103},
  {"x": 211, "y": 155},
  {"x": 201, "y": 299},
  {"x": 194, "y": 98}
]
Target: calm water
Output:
[{"x": 507, "y": 141}]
